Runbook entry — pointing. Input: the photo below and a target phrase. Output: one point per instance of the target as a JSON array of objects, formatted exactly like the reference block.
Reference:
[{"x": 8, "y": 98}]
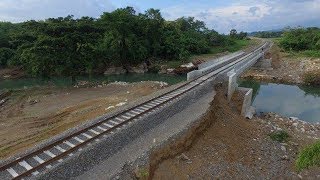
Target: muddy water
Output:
[
  {"x": 65, "y": 82},
  {"x": 287, "y": 100}
]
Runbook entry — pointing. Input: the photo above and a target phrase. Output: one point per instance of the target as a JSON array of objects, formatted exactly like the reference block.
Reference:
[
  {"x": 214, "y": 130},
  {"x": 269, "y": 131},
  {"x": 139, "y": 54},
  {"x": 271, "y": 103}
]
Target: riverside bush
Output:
[{"x": 308, "y": 157}]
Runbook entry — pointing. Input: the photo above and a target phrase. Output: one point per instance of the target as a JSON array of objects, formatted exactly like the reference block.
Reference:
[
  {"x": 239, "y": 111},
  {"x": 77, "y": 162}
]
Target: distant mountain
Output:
[
  {"x": 254, "y": 33},
  {"x": 267, "y": 34}
]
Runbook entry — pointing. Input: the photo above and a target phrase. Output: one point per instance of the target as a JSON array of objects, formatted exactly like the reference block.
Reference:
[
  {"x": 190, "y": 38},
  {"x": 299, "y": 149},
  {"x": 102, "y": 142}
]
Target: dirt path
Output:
[
  {"x": 33, "y": 115},
  {"x": 236, "y": 148}
]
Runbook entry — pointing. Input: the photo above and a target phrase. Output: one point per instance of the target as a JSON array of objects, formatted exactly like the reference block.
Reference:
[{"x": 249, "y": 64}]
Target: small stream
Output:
[
  {"x": 66, "y": 82},
  {"x": 287, "y": 100}
]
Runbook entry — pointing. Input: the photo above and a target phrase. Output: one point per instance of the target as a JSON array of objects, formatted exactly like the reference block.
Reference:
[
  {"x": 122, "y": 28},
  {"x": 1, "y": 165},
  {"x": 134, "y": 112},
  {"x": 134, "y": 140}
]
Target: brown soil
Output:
[
  {"x": 11, "y": 73},
  {"x": 230, "y": 148},
  {"x": 286, "y": 69},
  {"x": 33, "y": 115}
]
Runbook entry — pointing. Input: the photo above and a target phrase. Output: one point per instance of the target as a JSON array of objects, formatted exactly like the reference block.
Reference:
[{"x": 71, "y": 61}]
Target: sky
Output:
[{"x": 243, "y": 15}]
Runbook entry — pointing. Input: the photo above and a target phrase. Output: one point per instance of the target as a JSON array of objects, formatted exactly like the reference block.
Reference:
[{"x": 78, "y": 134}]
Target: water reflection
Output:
[{"x": 287, "y": 100}]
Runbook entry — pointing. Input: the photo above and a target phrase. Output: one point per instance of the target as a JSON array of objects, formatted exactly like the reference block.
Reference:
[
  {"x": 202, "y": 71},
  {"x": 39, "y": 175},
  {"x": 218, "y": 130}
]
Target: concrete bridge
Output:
[{"x": 115, "y": 145}]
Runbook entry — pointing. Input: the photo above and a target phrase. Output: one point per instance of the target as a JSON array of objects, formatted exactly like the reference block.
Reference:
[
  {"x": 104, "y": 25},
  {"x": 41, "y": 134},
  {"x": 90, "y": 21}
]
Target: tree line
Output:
[
  {"x": 301, "y": 39},
  {"x": 67, "y": 46}
]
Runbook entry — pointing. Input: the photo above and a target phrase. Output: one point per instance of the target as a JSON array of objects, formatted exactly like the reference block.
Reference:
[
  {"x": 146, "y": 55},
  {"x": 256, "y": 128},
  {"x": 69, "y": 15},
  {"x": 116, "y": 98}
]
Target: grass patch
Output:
[
  {"x": 142, "y": 174},
  {"x": 280, "y": 136},
  {"x": 238, "y": 45},
  {"x": 311, "y": 53},
  {"x": 308, "y": 157},
  {"x": 307, "y": 53}
]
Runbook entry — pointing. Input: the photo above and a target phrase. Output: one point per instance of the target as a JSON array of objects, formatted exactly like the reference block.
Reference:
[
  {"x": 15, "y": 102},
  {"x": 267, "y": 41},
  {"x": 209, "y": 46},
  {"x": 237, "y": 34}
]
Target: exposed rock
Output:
[
  {"x": 2, "y": 101},
  {"x": 184, "y": 157},
  {"x": 294, "y": 118},
  {"x": 163, "y": 69},
  {"x": 142, "y": 68},
  {"x": 115, "y": 70},
  {"x": 285, "y": 157},
  {"x": 170, "y": 71},
  {"x": 32, "y": 102},
  {"x": 7, "y": 76},
  {"x": 189, "y": 65},
  {"x": 118, "y": 83},
  {"x": 185, "y": 68}
]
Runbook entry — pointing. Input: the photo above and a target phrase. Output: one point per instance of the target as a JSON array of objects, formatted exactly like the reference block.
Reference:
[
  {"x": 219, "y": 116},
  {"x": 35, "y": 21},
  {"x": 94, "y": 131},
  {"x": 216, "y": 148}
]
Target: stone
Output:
[
  {"x": 140, "y": 69},
  {"x": 32, "y": 102},
  {"x": 170, "y": 71},
  {"x": 189, "y": 65},
  {"x": 294, "y": 118},
  {"x": 184, "y": 157},
  {"x": 115, "y": 70},
  {"x": 285, "y": 157}
]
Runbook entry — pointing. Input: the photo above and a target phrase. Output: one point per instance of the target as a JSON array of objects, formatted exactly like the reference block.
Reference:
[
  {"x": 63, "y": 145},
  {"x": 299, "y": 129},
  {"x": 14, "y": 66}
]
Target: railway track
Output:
[{"x": 37, "y": 161}]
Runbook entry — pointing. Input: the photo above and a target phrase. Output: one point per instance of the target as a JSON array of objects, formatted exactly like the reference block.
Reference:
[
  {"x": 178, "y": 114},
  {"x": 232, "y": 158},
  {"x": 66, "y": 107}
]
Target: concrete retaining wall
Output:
[
  {"x": 232, "y": 84},
  {"x": 247, "y": 100}
]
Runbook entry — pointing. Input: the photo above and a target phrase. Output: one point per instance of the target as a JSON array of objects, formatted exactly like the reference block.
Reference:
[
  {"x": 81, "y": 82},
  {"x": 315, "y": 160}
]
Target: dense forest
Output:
[{"x": 66, "y": 46}]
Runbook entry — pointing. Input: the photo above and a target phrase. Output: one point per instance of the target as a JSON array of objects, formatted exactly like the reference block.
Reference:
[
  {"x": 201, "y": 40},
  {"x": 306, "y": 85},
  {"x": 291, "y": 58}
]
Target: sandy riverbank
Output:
[{"x": 33, "y": 115}]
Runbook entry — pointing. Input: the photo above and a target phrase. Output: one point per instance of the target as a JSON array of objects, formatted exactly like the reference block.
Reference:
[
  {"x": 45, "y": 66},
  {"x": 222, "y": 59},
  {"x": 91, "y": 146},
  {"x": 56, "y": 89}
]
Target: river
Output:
[{"x": 287, "y": 100}]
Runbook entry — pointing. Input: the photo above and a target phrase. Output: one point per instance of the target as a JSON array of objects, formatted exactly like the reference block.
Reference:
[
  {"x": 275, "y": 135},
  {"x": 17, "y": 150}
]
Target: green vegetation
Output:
[
  {"x": 308, "y": 157},
  {"x": 235, "y": 46},
  {"x": 301, "y": 41},
  {"x": 70, "y": 47},
  {"x": 280, "y": 136}
]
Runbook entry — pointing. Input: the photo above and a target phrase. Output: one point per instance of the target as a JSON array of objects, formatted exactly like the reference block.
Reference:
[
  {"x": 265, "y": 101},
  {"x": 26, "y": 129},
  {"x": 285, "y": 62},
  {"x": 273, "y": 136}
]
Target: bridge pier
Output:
[
  {"x": 232, "y": 83},
  {"x": 246, "y": 109}
]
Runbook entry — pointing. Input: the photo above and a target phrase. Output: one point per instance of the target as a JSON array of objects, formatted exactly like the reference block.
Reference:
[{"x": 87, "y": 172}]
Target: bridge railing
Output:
[{"x": 231, "y": 60}]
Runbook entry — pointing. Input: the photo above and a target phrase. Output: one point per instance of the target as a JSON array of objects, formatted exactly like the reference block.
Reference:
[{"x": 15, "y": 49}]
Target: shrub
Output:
[
  {"x": 310, "y": 156},
  {"x": 312, "y": 78},
  {"x": 280, "y": 136}
]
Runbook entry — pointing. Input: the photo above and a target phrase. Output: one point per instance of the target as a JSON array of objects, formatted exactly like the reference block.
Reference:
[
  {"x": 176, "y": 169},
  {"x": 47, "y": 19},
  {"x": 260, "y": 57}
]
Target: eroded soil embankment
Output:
[{"x": 225, "y": 145}]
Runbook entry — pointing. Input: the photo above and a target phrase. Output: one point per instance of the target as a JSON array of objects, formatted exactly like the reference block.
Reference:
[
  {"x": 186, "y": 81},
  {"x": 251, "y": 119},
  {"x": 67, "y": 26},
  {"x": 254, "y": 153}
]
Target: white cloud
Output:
[
  {"x": 22, "y": 10},
  {"x": 253, "y": 15}
]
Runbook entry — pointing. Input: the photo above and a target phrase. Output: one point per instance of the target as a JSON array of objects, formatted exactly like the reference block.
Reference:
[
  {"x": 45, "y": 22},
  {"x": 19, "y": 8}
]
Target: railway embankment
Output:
[{"x": 123, "y": 153}]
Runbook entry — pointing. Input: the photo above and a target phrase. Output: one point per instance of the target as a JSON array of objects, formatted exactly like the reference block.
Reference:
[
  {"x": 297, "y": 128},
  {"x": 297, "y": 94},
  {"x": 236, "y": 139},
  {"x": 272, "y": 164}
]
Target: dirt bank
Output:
[
  {"x": 12, "y": 73},
  {"x": 33, "y": 115},
  {"x": 233, "y": 147},
  {"x": 286, "y": 68}
]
